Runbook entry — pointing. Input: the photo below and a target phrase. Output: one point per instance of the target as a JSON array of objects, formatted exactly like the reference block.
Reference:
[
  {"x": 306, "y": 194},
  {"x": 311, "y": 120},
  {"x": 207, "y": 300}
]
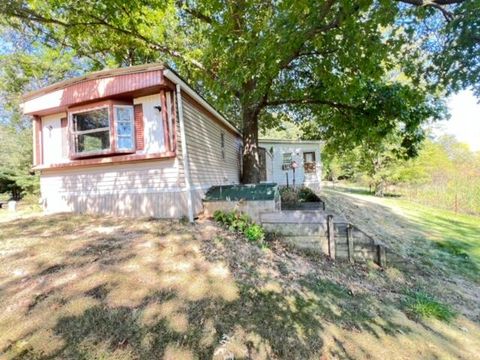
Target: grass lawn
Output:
[
  {"x": 90, "y": 287},
  {"x": 446, "y": 241}
]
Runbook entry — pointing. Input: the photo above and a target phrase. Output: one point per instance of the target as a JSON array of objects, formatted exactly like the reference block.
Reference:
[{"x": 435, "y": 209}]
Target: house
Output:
[
  {"x": 135, "y": 141},
  {"x": 291, "y": 162}
]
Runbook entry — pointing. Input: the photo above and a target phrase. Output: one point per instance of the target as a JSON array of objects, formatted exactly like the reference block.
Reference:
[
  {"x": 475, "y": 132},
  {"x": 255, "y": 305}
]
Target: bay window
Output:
[
  {"x": 102, "y": 130},
  {"x": 91, "y": 131}
]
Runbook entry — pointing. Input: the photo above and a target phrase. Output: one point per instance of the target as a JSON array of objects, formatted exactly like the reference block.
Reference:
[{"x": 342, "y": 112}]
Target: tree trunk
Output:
[
  {"x": 251, "y": 163},
  {"x": 380, "y": 188}
]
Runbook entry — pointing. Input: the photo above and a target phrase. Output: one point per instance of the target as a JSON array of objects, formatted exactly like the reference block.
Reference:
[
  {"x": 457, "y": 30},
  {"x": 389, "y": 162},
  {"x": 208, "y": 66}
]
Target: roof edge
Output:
[{"x": 93, "y": 75}]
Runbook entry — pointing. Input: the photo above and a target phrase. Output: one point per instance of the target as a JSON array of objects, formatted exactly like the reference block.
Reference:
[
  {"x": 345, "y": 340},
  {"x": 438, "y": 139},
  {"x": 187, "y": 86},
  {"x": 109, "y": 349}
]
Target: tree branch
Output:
[
  {"x": 29, "y": 15},
  {"x": 194, "y": 12},
  {"x": 437, "y": 4}
]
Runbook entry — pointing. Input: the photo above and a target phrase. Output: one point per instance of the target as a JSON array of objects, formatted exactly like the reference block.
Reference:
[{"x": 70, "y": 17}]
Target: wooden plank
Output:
[
  {"x": 315, "y": 230},
  {"x": 294, "y": 217},
  {"x": 331, "y": 237},
  {"x": 381, "y": 256},
  {"x": 315, "y": 244},
  {"x": 350, "y": 243}
]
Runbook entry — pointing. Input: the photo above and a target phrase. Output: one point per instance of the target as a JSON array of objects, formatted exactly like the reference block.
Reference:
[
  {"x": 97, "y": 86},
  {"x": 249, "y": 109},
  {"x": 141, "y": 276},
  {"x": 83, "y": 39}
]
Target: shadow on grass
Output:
[
  {"x": 259, "y": 325},
  {"x": 158, "y": 289},
  {"x": 430, "y": 237}
]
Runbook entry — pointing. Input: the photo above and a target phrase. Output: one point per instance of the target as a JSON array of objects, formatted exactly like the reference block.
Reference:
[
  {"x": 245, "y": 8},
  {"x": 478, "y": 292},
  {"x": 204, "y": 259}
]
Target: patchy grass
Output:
[
  {"x": 423, "y": 305},
  {"x": 90, "y": 287},
  {"x": 435, "y": 239}
]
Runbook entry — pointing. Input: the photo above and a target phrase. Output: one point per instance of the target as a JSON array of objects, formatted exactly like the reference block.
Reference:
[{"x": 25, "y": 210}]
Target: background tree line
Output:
[{"x": 445, "y": 174}]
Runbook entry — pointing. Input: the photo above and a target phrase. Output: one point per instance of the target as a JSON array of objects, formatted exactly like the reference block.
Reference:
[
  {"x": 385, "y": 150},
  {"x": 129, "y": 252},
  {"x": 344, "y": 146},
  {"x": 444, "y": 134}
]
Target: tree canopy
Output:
[{"x": 350, "y": 71}]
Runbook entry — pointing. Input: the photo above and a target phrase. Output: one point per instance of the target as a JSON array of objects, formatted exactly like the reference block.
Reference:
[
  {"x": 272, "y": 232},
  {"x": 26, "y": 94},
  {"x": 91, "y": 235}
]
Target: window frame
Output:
[
  {"x": 112, "y": 128},
  {"x": 309, "y": 166},
  {"x": 286, "y": 166},
  {"x": 115, "y": 122}
]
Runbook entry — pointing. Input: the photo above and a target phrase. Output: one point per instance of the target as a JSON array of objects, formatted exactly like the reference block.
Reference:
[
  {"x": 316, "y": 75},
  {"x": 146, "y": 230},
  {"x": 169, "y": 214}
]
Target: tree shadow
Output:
[{"x": 160, "y": 289}]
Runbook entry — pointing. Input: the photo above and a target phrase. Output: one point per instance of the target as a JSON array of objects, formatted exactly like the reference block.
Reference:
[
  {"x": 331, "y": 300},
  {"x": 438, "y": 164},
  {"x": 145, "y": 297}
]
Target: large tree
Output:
[{"x": 330, "y": 60}]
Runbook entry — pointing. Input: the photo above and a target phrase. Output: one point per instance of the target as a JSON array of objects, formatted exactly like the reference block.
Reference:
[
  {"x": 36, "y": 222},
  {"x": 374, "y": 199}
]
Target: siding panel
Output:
[
  {"x": 207, "y": 167},
  {"x": 150, "y": 188}
]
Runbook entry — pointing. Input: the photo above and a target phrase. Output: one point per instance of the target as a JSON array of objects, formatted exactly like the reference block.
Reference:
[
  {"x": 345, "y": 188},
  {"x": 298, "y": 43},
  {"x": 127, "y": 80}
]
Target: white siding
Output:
[
  {"x": 52, "y": 139},
  {"x": 150, "y": 188},
  {"x": 153, "y": 124},
  {"x": 275, "y": 160},
  {"x": 203, "y": 136}
]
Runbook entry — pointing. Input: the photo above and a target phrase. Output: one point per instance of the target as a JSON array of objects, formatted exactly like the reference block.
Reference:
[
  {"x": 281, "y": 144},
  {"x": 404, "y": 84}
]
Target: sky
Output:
[{"x": 465, "y": 119}]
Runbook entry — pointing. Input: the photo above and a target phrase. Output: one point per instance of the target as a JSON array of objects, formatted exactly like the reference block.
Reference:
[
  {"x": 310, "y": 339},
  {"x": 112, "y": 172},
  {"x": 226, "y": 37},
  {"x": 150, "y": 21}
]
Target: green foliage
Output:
[
  {"x": 422, "y": 305},
  {"x": 254, "y": 233},
  {"x": 348, "y": 70},
  {"x": 280, "y": 126},
  {"x": 446, "y": 174},
  {"x": 241, "y": 223},
  {"x": 25, "y": 66}
]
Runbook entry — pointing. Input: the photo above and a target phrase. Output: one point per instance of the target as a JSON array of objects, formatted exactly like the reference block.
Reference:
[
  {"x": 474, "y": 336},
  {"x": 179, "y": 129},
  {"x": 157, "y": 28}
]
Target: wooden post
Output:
[
  {"x": 350, "y": 242},
  {"x": 381, "y": 256},
  {"x": 331, "y": 237}
]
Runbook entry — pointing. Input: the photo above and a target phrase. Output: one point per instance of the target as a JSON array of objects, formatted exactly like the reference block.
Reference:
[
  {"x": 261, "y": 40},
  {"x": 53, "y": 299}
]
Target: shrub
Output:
[
  {"x": 306, "y": 194},
  {"x": 254, "y": 233},
  {"x": 238, "y": 222},
  {"x": 291, "y": 196},
  {"x": 288, "y": 195},
  {"x": 421, "y": 304}
]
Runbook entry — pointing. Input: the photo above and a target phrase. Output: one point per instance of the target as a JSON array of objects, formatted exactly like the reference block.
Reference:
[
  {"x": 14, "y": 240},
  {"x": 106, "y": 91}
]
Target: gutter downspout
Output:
[{"x": 186, "y": 162}]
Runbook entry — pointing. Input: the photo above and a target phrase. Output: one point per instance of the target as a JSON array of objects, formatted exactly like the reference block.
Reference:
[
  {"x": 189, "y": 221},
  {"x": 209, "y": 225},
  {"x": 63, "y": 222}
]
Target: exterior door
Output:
[
  {"x": 262, "y": 159},
  {"x": 309, "y": 162}
]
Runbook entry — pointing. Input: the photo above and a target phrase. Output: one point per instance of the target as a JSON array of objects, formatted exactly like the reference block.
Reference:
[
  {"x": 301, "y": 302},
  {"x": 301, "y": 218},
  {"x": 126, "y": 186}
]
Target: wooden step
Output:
[
  {"x": 294, "y": 217},
  {"x": 286, "y": 229}
]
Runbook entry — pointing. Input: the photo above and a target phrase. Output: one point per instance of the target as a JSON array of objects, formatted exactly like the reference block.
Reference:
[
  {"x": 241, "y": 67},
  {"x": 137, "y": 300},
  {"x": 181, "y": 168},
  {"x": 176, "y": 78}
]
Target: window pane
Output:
[
  {"x": 309, "y": 157},
  {"x": 125, "y": 142},
  {"x": 124, "y": 127},
  {"x": 93, "y": 142},
  {"x": 91, "y": 120},
  {"x": 287, "y": 158}
]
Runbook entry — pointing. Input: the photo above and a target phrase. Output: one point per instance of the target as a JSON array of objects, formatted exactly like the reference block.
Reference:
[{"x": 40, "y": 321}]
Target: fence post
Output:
[
  {"x": 381, "y": 256},
  {"x": 331, "y": 237},
  {"x": 350, "y": 242}
]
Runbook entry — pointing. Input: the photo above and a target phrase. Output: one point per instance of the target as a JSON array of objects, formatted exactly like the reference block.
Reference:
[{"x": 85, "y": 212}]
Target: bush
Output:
[
  {"x": 424, "y": 305},
  {"x": 254, "y": 233},
  {"x": 291, "y": 196},
  {"x": 288, "y": 195},
  {"x": 306, "y": 194},
  {"x": 238, "y": 222}
]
